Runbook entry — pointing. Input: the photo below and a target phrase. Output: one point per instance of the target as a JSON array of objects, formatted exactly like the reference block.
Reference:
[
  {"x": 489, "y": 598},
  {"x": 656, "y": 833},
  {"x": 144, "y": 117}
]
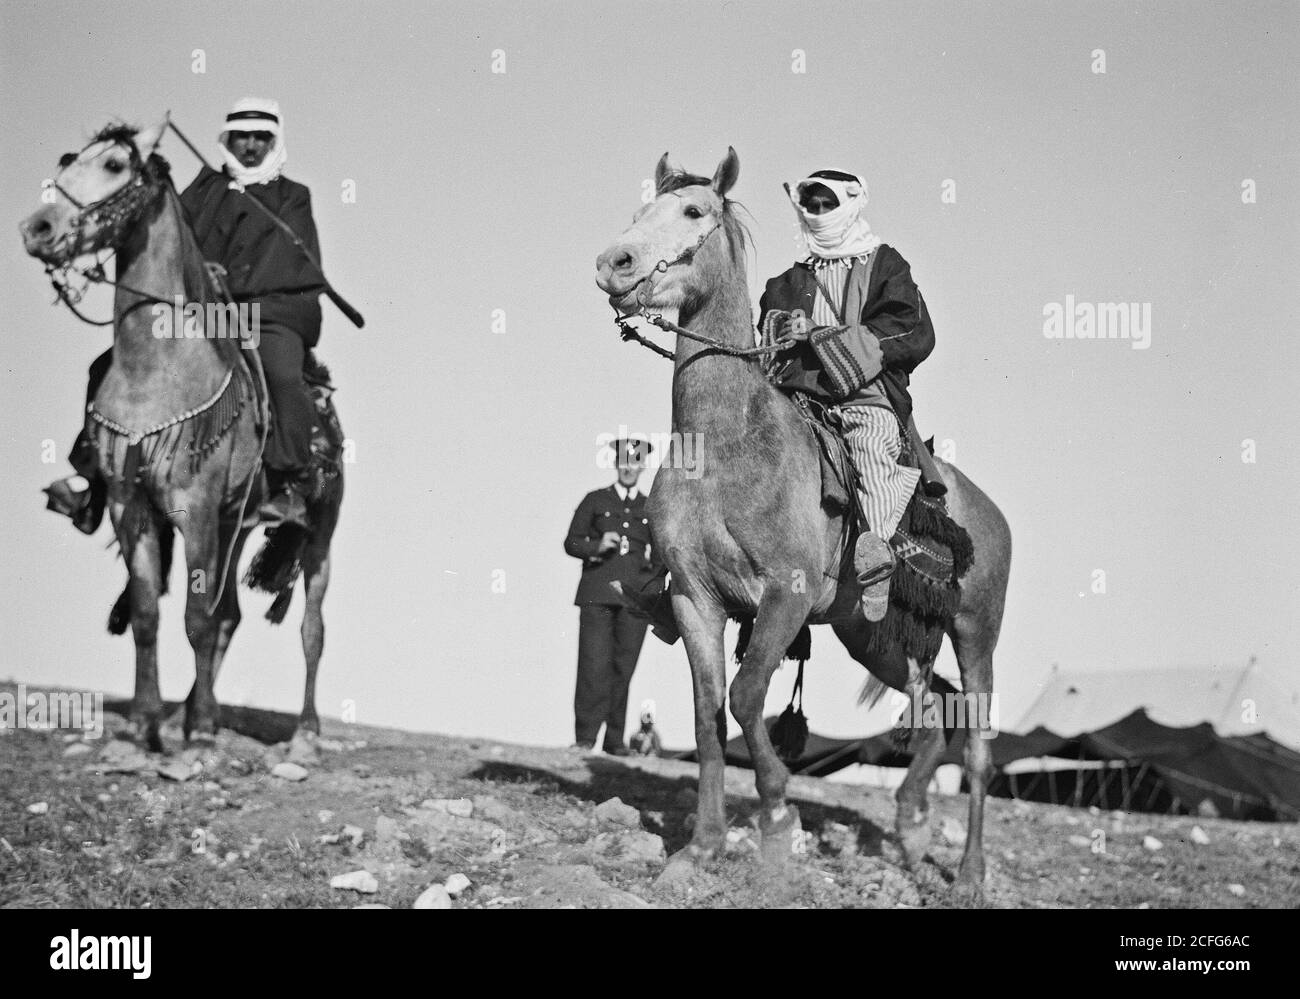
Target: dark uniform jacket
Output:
[
  {"x": 262, "y": 263},
  {"x": 893, "y": 311},
  {"x": 602, "y": 511}
]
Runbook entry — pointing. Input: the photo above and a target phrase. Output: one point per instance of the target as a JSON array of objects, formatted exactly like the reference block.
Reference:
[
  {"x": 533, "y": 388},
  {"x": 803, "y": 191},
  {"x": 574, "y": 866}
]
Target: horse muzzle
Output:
[{"x": 40, "y": 236}]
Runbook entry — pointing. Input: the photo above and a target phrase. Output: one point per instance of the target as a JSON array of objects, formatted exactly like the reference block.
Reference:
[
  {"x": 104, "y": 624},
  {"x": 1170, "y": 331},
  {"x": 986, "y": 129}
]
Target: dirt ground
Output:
[{"x": 99, "y": 823}]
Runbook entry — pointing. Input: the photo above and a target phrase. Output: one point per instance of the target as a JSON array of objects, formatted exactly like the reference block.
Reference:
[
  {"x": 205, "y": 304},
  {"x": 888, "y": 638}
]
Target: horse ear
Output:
[
  {"x": 724, "y": 178},
  {"x": 663, "y": 170},
  {"x": 147, "y": 139}
]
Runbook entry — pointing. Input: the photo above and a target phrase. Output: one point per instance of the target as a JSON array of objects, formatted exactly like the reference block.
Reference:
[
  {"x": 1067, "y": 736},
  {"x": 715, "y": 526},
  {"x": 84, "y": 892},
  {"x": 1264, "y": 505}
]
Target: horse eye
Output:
[
  {"x": 66, "y": 160},
  {"x": 692, "y": 212},
  {"x": 114, "y": 166}
]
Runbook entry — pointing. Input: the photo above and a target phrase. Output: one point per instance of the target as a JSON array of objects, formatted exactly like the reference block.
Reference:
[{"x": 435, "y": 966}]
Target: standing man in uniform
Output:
[{"x": 610, "y": 533}]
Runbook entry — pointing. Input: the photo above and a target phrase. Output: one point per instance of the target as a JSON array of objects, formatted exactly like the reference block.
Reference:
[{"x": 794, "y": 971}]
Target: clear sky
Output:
[{"x": 479, "y": 191}]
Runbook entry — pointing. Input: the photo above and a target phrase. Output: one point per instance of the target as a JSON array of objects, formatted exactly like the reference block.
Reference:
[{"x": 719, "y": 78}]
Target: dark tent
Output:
[{"x": 1135, "y": 764}]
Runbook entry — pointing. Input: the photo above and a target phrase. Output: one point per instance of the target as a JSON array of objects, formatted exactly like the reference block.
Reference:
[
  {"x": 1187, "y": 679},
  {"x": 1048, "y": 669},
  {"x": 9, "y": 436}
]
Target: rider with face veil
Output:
[{"x": 861, "y": 327}]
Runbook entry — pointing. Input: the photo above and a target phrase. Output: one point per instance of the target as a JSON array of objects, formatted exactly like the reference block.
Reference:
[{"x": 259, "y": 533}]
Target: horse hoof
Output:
[
  {"x": 202, "y": 739},
  {"x": 303, "y": 748},
  {"x": 782, "y": 838},
  {"x": 143, "y": 731},
  {"x": 967, "y": 896},
  {"x": 683, "y": 865},
  {"x": 914, "y": 839}
]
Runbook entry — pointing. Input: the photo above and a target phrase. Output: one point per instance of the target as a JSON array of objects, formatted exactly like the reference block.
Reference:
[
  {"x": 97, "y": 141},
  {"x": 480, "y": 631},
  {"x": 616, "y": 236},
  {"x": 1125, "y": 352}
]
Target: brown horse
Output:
[
  {"x": 750, "y": 536},
  {"x": 176, "y": 419}
]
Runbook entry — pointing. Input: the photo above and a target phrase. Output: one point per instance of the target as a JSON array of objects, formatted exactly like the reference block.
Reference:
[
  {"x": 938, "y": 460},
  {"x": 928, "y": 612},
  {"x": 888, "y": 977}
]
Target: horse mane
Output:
[
  {"x": 738, "y": 234},
  {"x": 156, "y": 169},
  {"x": 198, "y": 285}
]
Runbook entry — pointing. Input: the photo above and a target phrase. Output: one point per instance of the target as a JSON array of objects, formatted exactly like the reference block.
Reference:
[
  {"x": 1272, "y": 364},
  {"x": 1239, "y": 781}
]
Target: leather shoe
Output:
[
  {"x": 287, "y": 506},
  {"x": 84, "y": 507}
]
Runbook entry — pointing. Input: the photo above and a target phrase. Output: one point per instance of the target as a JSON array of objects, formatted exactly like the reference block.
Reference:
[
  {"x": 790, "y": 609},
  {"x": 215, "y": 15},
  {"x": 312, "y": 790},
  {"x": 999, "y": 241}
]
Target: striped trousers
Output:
[{"x": 874, "y": 442}]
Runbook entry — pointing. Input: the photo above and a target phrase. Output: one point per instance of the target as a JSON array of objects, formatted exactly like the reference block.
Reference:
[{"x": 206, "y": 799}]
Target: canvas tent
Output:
[
  {"x": 1236, "y": 700},
  {"x": 1139, "y": 762}
]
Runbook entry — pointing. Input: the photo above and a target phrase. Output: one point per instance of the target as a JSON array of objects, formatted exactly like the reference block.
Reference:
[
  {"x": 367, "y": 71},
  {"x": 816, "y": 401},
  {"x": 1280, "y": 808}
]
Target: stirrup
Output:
[{"x": 873, "y": 562}]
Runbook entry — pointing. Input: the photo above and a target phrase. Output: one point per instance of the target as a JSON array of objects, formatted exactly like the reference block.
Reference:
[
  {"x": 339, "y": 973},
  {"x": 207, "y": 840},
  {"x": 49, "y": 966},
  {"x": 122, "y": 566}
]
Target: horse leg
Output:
[
  {"x": 209, "y": 632},
  {"x": 227, "y": 616},
  {"x": 928, "y": 743},
  {"x": 973, "y": 642},
  {"x": 143, "y": 556},
  {"x": 702, "y": 626},
  {"x": 780, "y": 615},
  {"x": 316, "y": 578}
]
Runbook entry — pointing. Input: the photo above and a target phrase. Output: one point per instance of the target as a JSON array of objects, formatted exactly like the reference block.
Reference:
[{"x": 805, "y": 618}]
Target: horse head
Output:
[
  {"x": 99, "y": 194},
  {"x": 680, "y": 245}
]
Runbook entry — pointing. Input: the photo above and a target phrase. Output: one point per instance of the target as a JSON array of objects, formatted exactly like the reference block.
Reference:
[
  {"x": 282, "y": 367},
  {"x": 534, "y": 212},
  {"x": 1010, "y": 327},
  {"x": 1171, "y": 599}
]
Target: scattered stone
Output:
[
  {"x": 953, "y": 832},
  {"x": 360, "y": 881},
  {"x": 114, "y": 723},
  {"x": 1151, "y": 843},
  {"x": 1238, "y": 890},
  {"x": 614, "y": 813},
  {"x": 289, "y": 771},
  {"x": 456, "y": 884},
  {"x": 324, "y": 815},
  {"x": 176, "y": 771},
  {"x": 361, "y": 770},
  {"x": 354, "y": 833},
  {"x": 78, "y": 749},
  {"x": 741, "y": 841},
  {"x": 103, "y": 798},
  {"x": 212, "y": 787},
  {"x": 1199, "y": 836},
  {"x": 329, "y": 745},
  {"x": 38, "y": 807},
  {"x": 570, "y": 886},
  {"x": 1145, "y": 905},
  {"x": 433, "y": 897},
  {"x": 494, "y": 810},
  {"x": 1207, "y": 809},
  {"x": 122, "y": 757},
  {"x": 1082, "y": 841},
  {"x": 636, "y": 849},
  {"x": 460, "y": 807},
  {"x": 839, "y": 839}
]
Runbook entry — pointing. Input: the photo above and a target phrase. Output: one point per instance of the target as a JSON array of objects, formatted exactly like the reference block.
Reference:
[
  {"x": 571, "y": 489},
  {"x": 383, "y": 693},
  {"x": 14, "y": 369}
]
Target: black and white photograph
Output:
[{"x": 593, "y": 454}]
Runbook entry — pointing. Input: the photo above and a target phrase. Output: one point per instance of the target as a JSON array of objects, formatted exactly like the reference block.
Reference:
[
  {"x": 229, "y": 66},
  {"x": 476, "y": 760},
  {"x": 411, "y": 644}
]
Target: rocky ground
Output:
[{"x": 371, "y": 817}]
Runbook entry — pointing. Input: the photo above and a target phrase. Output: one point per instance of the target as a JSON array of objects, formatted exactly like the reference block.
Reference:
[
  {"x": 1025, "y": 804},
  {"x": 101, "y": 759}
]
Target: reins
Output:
[
  {"x": 628, "y": 332},
  {"x": 115, "y": 213}
]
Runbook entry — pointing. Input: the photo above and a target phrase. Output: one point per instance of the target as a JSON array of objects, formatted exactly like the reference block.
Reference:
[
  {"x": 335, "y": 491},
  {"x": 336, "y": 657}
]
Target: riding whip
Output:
[{"x": 344, "y": 306}]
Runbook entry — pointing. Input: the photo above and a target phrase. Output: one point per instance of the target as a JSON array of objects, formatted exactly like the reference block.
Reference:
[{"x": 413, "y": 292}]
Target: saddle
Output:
[
  {"x": 932, "y": 550},
  {"x": 327, "y": 433}
]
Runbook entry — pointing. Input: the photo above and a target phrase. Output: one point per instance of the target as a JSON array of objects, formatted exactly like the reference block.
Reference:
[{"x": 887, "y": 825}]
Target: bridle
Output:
[
  {"x": 628, "y": 332},
  {"x": 115, "y": 215}
]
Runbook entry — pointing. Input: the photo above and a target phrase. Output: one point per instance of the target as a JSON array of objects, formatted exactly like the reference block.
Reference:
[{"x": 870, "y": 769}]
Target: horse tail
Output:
[
  {"x": 276, "y": 567},
  {"x": 119, "y": 618},
  {"x": 872, "y": 691}
]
